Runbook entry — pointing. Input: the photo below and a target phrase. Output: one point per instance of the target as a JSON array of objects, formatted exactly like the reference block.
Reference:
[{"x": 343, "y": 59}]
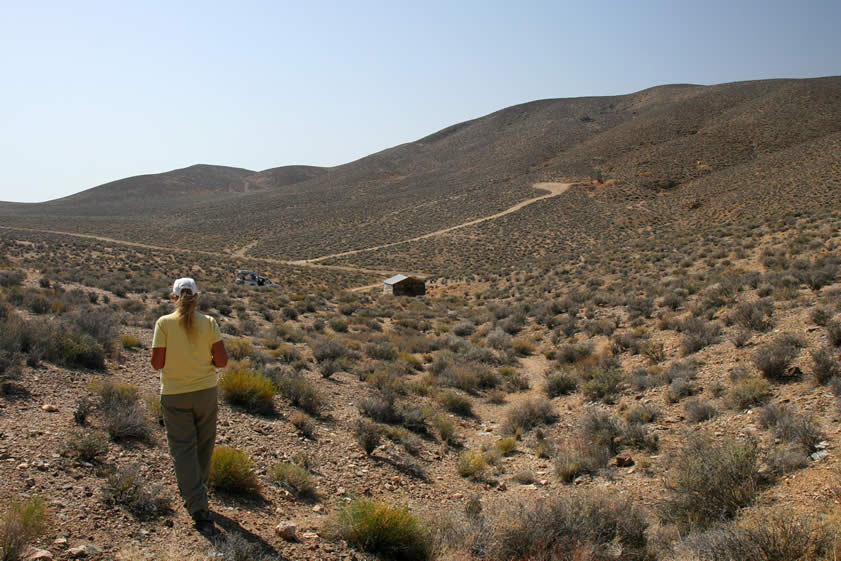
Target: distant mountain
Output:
[{"x": 639, "y": 147}]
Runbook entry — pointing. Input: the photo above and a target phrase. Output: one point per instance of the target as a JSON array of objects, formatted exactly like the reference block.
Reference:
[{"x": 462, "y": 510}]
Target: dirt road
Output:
[{"x": 553, "y": 188}]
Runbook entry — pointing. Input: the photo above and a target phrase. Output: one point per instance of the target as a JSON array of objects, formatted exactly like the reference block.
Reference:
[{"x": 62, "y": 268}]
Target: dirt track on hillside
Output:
[{"x": 553, "y": 188}]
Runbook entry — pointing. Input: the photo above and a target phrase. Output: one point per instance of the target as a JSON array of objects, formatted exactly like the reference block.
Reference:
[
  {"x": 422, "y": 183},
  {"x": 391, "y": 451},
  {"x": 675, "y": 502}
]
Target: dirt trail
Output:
[{"x": 553, "y": 188}]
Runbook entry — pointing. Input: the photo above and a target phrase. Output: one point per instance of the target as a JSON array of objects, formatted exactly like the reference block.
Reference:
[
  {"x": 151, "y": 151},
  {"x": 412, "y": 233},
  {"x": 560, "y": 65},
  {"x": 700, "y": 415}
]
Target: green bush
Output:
[
  {"x": 20, "y": 523},
  {"x": 472, "y": 463},
  {"x": 249, "y": 389},
  {"x": 386, "y": 530},
  {"x": 710, "y": 481},
  {"x": 230, "y": 471}
]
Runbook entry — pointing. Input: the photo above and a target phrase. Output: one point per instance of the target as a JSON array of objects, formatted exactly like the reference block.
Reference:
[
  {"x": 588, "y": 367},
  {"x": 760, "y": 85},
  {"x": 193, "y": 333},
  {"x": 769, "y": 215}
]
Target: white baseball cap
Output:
[{"x": 184, "y": 283}]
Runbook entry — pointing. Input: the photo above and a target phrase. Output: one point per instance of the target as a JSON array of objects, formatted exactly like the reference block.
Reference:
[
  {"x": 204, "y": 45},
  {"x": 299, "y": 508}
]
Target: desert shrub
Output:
[
  {"x": 238, "y": 349},
  {"x": 368, "y": 435},
  {"x": 383, "y": 350},
  {"x": 824, "y": 366},
  {"x": 599, "y": 428},
  {"x": 698, "y": 334},
  {"x": 699, "y": 410},
  {"x": 570, "y": 353},
  {"x": 465, "y": 377},
  {"x": 821, "y": 315},
  {"x": 329, "y": 367},
  {"x": 101, "y": 324},
  {"x": 21, "y": 522},
  {"x": 128, "y": 489},
  {"x": 303, "y": 423},
  {"x": 559, "y": 383},
  {"x": 576, "y": 526},
  {"x": 130, "y": 342},
  {"x": 709, "y": 482},
  {"x": 513, "y": 380},
  {"x": 787, "y": 458},
  {"x": 790, "y": 427},
  {"x": 249, "y": 389},
  {"x": 505, "y": 446},
  {"x": 604, "y": 384},
  {"x": 653, "y": 351},
  {"x": 230, "y": 471},
  {"x": 86, "y": 445},
  {"x": 833, "y": 331},
  {"x": 124, "y": 416},
  {"x": 444, "y": 428},
  {"x": 774, "y": 358},
  {"x": 299, "y": 391},
  {"x": 771, "y": 536},
  {"x": 457, "y": 403},
  {"x": 328, "y": 348},
  {"x": 748, "y": 392},
  {"x": 389, "y": 531},
  {"x": 464, "y": 329},
  {"x": 498, "y": 339},
  {"x": 755, "y": 316},
  {"x": 638, "y": 436},
  {"x": 530, "y": 413},
  {"x": 640, "y": 414},
  {"x": 680, "y": 388},
  {"x": 295, "y": 479},
  {"x": 11, "y": 278},
  {"x": 472, "y": 463}
]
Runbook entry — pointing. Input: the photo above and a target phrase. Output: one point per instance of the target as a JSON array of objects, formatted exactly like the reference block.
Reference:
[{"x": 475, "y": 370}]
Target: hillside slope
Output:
[{"x": 637, "y": 146}]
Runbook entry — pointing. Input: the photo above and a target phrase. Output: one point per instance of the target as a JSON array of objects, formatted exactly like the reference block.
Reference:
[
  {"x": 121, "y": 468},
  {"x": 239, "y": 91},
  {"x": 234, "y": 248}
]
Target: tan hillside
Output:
[{"x": 629, "y": 349}]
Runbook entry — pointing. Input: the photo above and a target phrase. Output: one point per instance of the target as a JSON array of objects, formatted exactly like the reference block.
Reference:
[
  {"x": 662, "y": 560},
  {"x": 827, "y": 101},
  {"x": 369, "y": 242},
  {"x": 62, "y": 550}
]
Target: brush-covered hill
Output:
[{"x": 657, "y": 145}]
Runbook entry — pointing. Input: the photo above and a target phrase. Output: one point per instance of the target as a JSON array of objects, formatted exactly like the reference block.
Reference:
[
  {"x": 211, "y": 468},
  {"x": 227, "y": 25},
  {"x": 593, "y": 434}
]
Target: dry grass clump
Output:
[
  {"x": 247, "y": 388},
  {"x": 443, "y": 427},
  {"x": 824, "y": 365},
  {"x": 389, "y": 531},
  {"x": 20, "y": 523},
  {"x": 368, "y": 435},
  {"x": 710, "y": 481},
  {"x": 86, "y": 445},
  {"x": 456, "y": 403},
  {"x": 230, "y": 471},
  {"x": 295, "y": 479},
  {"x": 558, "y": 383},
  {"x": 473, "y": 464},
  {"x": 699, "y": 410},
  {"x": 748, "y": 392},
  {"x": 790, "y": 427},
  {"x": 127, "y": 488}
]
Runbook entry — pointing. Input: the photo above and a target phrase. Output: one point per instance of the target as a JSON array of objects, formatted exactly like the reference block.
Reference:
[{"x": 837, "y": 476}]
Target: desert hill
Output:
[
  {"x": 643, "y": 364},
  {"x": 650, "y": 144}
]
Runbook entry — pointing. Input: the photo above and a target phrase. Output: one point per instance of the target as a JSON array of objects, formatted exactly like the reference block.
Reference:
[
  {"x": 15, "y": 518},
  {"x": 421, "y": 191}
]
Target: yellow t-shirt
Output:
[{"x": 188, "y": 365}]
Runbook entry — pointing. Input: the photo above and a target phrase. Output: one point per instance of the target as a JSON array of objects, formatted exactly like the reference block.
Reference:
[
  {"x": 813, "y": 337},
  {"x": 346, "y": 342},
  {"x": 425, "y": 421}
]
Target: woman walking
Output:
[{"x": 187, "y": 348}]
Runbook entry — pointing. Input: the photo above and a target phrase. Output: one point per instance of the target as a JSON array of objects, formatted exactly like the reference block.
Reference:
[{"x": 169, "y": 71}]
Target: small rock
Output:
[
  {"x": 340, "y": 491},
  {"x": 458, "y": 495},
  {"x": 287, "y": 530},
  {"x": 60, "y": 542},
  {"x": 624, "y": 461},
  {"x": 544, "y": 482},
  {"x": 318, "y": 509},
  {"x": 24, "y": 465},
  {"x": 502, "y": 486},
  {"x": 309, "y": 536},
  {"x": 822, "y": 445},
  {"x": 819, "y": 455},
  {"x": 83, "y": 551},
  {"x": 49, "y": 408},
  {"x": 38, "y": 555}
]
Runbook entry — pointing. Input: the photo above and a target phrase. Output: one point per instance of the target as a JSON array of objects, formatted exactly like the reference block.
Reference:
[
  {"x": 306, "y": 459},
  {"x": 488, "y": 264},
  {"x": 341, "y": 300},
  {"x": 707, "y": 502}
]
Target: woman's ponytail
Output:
[{"x": 185, "y": 307}]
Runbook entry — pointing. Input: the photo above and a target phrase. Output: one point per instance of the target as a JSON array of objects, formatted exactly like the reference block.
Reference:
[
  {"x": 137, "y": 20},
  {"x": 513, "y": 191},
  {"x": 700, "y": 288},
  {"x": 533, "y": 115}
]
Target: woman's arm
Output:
[
  {"x": 158, "y": 357},
  {"x": 219, "y": 354}
]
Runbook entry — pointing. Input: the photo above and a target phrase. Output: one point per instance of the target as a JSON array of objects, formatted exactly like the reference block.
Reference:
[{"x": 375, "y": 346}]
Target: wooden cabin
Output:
[{"x": 401, "y": 285}]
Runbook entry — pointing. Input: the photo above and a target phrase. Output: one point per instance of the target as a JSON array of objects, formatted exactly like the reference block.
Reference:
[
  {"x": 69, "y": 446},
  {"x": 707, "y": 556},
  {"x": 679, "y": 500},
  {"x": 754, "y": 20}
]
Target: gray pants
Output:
[{"x": 190, "y": 420}]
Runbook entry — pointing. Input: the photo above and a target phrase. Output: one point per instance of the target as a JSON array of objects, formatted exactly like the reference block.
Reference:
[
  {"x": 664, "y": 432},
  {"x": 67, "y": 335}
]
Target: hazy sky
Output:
[{"x": 97, "y": 91}]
